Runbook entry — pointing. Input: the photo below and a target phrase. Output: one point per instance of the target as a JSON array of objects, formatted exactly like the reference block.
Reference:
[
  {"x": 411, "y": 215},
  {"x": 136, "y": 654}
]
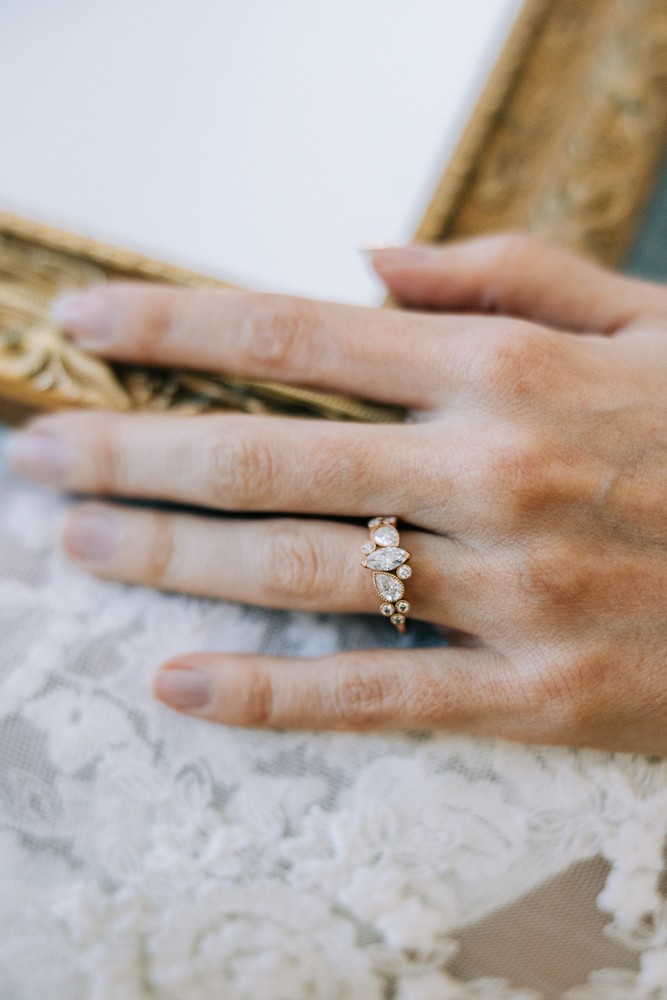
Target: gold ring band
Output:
[{"x": 388, "y": 562}]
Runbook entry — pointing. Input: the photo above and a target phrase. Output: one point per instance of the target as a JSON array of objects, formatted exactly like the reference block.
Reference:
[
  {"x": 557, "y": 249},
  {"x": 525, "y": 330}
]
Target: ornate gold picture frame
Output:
[{"x": 565, "y": 142}]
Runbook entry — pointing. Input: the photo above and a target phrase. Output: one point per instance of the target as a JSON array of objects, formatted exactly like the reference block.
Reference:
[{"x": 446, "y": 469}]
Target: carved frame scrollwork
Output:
[
  {"x": 565, "y": 142},
  {"x": 569, "y": 132}
]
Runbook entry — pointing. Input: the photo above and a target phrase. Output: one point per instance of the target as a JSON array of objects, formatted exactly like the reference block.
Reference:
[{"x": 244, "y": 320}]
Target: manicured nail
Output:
[
  {"x": 389, "y": 257},
  {"x": 44, "y": 458},
  {"x": 88, "y": 316},
  {"x": 183, "y": 687},
  {"x": 92, "y": 534}
]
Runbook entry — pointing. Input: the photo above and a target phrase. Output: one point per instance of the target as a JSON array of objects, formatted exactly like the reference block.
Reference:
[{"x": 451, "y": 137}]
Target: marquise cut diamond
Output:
[{"x": 386, "y": 558}]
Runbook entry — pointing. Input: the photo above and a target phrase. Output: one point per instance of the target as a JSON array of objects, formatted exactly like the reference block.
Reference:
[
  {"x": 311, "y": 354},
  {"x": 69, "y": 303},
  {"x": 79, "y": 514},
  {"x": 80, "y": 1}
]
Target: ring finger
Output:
[{"x": 286, "y": 563}]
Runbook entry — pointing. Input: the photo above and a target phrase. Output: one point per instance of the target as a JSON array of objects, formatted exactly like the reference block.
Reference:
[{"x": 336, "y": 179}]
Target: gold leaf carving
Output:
[
  {"x": 41, "y": 368},
  {"x": 40, "y": 355},
  {"x": 569, "y": 133}
]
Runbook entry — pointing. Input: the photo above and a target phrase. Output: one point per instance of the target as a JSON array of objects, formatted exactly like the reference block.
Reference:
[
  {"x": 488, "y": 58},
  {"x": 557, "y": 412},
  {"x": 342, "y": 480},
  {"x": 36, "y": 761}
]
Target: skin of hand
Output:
[{"x": 530, "y": 483}]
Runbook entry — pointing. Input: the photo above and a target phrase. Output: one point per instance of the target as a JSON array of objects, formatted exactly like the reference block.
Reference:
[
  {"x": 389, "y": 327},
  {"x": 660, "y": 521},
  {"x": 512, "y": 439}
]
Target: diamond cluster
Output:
[{"x": 382, "y": 555}]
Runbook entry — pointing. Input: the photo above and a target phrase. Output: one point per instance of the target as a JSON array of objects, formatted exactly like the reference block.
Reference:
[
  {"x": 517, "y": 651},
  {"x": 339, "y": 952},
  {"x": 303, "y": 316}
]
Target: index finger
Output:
[{"x": 379, "y": 354}]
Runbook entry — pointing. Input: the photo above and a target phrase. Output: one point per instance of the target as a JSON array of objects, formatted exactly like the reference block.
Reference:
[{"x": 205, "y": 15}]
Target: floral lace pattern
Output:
[{"x": 144, "y": 854}]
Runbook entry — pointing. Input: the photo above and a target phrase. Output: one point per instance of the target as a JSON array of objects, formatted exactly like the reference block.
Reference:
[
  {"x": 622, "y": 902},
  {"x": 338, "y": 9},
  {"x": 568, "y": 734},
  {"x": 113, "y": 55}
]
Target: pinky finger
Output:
[{"x": 462, "y": 689}]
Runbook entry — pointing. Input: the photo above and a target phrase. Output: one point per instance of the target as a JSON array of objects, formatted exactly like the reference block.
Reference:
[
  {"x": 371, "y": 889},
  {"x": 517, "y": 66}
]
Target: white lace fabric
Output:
[{"x": 145, "y": 854}]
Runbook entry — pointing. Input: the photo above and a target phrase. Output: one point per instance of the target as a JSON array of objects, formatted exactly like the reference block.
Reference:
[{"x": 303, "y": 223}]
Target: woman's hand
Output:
[{"x": 531, "y": 487}]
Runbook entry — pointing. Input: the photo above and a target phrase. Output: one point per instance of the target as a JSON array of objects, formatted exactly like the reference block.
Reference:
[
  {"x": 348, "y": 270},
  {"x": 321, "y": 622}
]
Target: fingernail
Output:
[
  {"x": 88, "y": 316},
  {"x": 44, "y": 458},
  {"x": 92, "y": 534},
  {"x": 390, "y": 257},
  {"x": 184, "y": 688}
]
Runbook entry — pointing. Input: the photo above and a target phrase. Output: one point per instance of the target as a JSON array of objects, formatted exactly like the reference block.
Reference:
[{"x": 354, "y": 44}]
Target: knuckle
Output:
[
  {"x": 361, "y": 700},
  {"x": 108, "y": 459},
  {"x": 240, "y": 467},
  {"x": 522, "y": 473},
  {"x": 513, "y": 476},
  {"x": 292, "y": 569},
  {"x": 279, "y": 333},
  {"x": 258, "y": 704},
  {"x": 157, "y": 570},
  {"x": 566, "y": 694},
  {"x": 153, "y": 317},
  {"x": 510, "y": 362},
  {"x": 553, "y": 576}
]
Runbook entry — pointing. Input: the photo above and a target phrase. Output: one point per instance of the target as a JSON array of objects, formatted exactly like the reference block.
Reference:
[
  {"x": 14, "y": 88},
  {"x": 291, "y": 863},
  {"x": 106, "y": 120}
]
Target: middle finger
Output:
[
  {"x": 381, "y": 354},
  {"x": 225, "y": 462}
]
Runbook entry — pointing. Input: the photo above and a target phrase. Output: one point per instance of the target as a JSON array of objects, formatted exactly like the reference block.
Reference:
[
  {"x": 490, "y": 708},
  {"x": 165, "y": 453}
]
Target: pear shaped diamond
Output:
[
  {"x": 386, "y": 558},
  {"x": 389, "y": 587}
]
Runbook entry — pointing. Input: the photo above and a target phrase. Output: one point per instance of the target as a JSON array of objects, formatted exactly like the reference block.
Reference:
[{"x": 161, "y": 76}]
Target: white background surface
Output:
[{"x": 260, "y": 140}]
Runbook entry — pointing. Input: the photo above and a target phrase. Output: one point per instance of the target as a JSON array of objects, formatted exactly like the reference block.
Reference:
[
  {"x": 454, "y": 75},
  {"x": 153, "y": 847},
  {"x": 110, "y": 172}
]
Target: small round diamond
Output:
[
  {"x": 397, "y": 619},
  {"x": 404, "y": 572},
  {"x": 387, "y": 610},
  {"x": 368, "y": 547},
  {"x": 382, "y": 519},
  {"x": 403, "y": 607}
]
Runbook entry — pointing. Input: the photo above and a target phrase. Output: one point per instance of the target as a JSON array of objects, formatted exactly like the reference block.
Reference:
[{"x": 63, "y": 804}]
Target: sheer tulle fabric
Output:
[{"x": 144, "y": 854}]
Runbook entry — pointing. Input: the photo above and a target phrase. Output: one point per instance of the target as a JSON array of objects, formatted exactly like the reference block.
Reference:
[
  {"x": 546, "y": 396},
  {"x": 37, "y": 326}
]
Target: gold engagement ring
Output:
[{"x": 384, "y": 555}]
